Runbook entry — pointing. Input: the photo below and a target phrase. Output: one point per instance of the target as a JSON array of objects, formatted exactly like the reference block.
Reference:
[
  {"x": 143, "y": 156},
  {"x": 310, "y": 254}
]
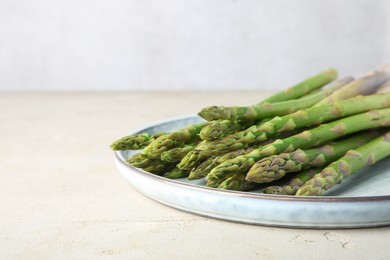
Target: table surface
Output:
[{"x": 62, "y": 197}]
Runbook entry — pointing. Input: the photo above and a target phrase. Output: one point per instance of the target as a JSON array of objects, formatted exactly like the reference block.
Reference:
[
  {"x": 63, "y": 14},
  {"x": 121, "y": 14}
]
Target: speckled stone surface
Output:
[{"x": 62, "y": 197}]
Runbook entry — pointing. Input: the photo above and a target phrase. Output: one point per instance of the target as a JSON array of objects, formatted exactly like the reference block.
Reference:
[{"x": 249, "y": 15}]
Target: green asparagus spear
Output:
[
  {"x": 159, "y": 168},
  {"x": 275, "y": 167},
  {"x": 218, "y": 128},
  {"x": 174, "y": 139},
  {"x": 176, "y": 154},
  {"x": 351, "y": 162},
  {"x": 141, "y": 161},
  {"x": 134, "y": 142},
  {"x": 320, "y": 134},
  {"x": 365, "y": 85},
  {"x": 303, "y": 87},
  {"x": 266, "y": 110},
  {"x": 237, "y": 182},
  {"x": 191, "y": 160},
  {"x": 294, "y": 184},
  {"x": 148, "y": 164},
  {"x": 176, "y": 173},
  {"x": 206, "y": 166},
  {"x": 302, "y": 118}
]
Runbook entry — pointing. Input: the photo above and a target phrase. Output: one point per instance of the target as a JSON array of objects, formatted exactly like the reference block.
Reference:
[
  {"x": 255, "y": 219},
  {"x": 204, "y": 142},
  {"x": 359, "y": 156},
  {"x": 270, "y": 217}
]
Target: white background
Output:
[{"x": 186, "y": 45}]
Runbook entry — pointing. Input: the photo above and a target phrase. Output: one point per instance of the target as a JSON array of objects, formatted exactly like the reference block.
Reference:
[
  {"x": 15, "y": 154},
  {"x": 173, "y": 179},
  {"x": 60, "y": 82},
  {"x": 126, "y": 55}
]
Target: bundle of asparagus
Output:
[{"x": 319, "y": 131}]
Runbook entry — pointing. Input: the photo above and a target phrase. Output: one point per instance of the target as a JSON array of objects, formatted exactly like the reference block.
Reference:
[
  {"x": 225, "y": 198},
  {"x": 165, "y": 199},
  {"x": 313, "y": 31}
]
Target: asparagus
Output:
[
  {"x": 141, "y": 161},
  {"x": 302, "y": 118},
  {"x": 176, "y": 154},
  {"x": 350, "y": 163},
  {"x": 365, "y": 85},
  {"x": 216, "y": 129},
  {"x": 322, "y": 133},
  {"x": 266, "y": 110},
  {"x": 159, "y": 168},
  {"x": 176, "y": 173},
  {"x": 173, "y": 139},
  {"x": 237, "y": 182},
  {"x": 220, "y": 128},
  {"x": 134, "y": 142},
  {"x": 277, "y": 166},
  {"x": 148, "y": 164},
  {"x": 294, "y": 184},
  {"x": 206, "y": 166},
  {"x": 191, "y": 160},
  {"x": 303, "y": 87}
]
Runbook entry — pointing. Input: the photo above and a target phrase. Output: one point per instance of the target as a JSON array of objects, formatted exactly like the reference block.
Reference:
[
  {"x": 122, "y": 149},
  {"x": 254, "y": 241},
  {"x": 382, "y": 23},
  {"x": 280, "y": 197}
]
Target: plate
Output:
[{"x": 362, "y": 200}]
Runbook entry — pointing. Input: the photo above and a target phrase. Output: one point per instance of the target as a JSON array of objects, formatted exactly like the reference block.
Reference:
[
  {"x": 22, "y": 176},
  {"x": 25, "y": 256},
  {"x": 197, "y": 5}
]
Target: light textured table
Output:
[{"x": 62, "y": 197}]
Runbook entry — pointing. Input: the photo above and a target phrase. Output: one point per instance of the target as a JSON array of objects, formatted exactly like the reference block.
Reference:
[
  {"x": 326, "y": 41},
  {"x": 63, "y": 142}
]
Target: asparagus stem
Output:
[
  {"x": 350, "y": 163},
  {"x": 148, "y": 164},
  {"x": 302, "y": 118},
  {"x": 191, "y": 160},
  {"x": 141, "y": 161},
  {"x": 322, "y": 133},
  {"x": 176, "y": 154},
  {"x": 176, "y": 173},
  {"x": 159, "y": 168},
  {"x": 303, "y": 87},
  {"x": 217, "y": 129},
  {"x": 134, "y": 142},
  {"x": 237, "y": 182},
  {"x": 294, "y": 184},
  {"x": 206, "y": 166},
  {"x": 174, "y": 139},
  {"x": 365, "y": 85},
  {"x": 277, "y": 166},
  {"x": 257, "y": 112}
]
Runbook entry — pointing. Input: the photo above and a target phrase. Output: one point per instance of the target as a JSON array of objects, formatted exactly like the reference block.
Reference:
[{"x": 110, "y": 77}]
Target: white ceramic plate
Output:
[{"x": 362, "y": 200}]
